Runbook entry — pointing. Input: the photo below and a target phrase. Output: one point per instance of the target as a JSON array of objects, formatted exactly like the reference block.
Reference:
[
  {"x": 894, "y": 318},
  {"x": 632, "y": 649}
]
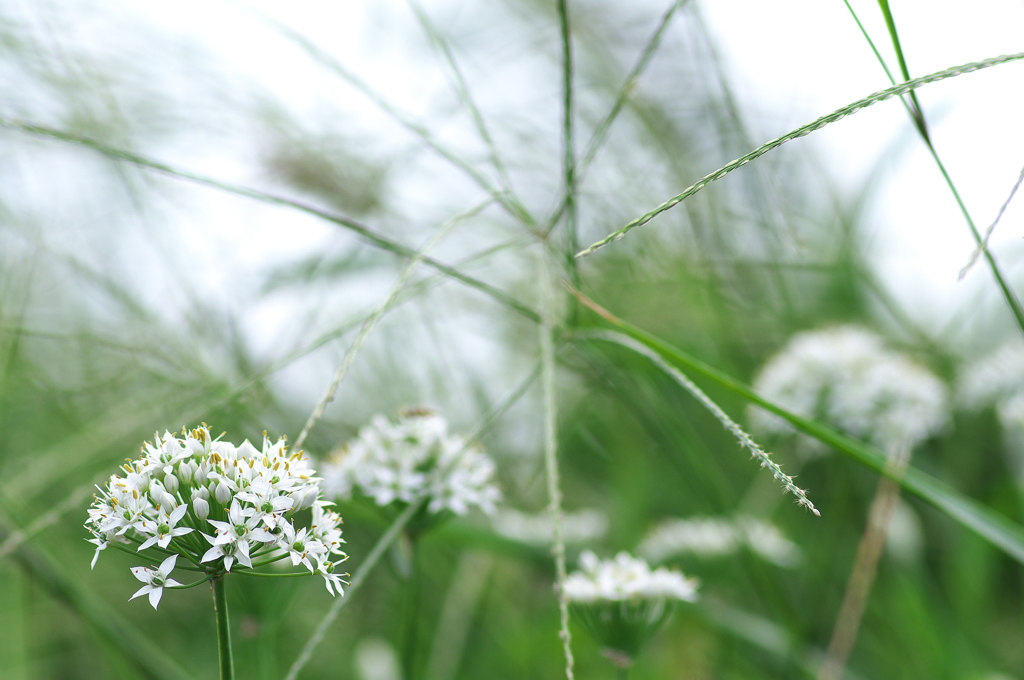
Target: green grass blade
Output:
[
  {"x": 363, "y": 231},
  {"x": 823, "y": 121},
  {"x": 151, "y": 659},
  {"x": 745, "y": 440},
  {"x": 990, "y": 525}
]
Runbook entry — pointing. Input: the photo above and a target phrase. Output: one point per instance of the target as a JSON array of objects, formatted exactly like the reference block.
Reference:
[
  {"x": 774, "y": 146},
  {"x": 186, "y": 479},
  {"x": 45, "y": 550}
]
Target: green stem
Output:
[
  {"x": 220, "y": 608},
  {"x": 412, "y": 597},
  {"x": 622, "y": 673}
]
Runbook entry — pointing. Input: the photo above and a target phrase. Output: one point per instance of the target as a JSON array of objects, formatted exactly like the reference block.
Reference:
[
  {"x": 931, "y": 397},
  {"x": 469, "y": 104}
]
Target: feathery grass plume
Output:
[
  {"x": 622, "y": 602},
  {"x": 411, "y": 458},
  {"x": 221, "y": 507},
  {"x": 847, "y": 377},
  {"x": 718, "y": 536}
]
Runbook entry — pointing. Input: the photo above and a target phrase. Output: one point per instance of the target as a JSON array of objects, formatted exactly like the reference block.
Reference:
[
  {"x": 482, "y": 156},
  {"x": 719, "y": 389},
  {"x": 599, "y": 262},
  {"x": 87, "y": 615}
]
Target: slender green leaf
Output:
[{"x": 990, "y": 525}]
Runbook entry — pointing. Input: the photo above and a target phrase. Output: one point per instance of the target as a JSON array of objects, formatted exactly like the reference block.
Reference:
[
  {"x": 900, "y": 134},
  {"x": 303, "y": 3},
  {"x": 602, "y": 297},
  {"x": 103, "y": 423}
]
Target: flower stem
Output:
[
  {"x": 622, "y": 673},
  {"x": 412, "y": 604},
  {"x": 220, "y": 608}
]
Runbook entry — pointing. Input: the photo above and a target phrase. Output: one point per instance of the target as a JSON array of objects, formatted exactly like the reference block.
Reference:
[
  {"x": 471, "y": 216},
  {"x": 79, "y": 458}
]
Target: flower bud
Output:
[
  {"x": 223, "y": 493},
  {"x": 187, "y": 471},
  {"x": 201, "y": 508},
  {"x": 171, "y": 483}
]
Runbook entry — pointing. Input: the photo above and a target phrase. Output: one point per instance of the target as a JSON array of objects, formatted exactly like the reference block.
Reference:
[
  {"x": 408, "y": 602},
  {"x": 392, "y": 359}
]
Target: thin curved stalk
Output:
[
  {"x": 362, "y": 230},
  {"x": 828, "y": 119}
]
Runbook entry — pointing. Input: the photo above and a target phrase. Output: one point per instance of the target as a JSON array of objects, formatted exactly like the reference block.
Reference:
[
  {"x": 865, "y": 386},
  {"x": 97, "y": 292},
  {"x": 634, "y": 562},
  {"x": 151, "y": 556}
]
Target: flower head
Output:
[
  {"x": 412, "y": 458},
  {"x": 622, "y": 602},
  {"x": 847, "y": 377},
  {"x": 219, "y": 505}
]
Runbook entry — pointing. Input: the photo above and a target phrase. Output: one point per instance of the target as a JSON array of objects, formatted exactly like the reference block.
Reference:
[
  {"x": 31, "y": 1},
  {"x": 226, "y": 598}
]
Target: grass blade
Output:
[
  {"x": 990, "y": 525},
  {"x": 744, "y": 439}
]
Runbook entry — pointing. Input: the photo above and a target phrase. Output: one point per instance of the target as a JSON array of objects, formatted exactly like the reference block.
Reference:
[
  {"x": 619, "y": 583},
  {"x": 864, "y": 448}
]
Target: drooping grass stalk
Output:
[
  {"x": 363, "y": 231},
  {"x": 547, "y": 354},
  {"x": 985, "y": 522},
  {"x": 220, "y": 608},
  {"x": 916, "y": 113},
  {"x": 802, "y": 131},
  {"x": 371, "y": 322},
  {"x": 745, "y": 440},
  {"x": 385, "y": 541},
  {"x": 865, "y": 566},
  {"x": 502, "y": 195}
]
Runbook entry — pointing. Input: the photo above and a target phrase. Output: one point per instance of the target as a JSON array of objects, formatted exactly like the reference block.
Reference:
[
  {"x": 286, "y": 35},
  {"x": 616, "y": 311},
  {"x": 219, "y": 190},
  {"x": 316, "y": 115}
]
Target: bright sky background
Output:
[{"x": 792, "y": 61}]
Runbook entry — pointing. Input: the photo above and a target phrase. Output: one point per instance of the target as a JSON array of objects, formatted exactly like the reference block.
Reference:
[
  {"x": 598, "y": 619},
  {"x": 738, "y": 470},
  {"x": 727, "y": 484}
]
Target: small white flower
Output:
[
  {"x": 155, "y": 580},
  {"x": 164, "y": 528}
]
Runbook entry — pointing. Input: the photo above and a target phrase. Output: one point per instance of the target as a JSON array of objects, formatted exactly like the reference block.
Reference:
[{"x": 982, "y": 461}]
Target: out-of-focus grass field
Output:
[{"x": 134, "y": 299}]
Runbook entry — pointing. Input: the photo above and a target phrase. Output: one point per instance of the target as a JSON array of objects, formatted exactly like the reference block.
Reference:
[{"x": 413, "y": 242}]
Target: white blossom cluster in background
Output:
[
  {"x": 625, "y": 578},
  {"x": 221, "y": 507},
  {"x": 848, "y": 378},
  {"x": 413, "y": 458},
  {"x": 718, "y": 536},
  {"x": 998, "y": 380},
  {"x": 583, "y": 526}
]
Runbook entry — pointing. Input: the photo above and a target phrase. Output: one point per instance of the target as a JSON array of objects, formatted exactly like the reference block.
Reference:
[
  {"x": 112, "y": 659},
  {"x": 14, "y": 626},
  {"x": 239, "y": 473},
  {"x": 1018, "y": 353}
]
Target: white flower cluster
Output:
[
  {"x": 411, "y": 459},
  {"x": 998, "y": 380},
  {"x": 716, "y": 536},
  {"x": 847, "y": 377},
  {"x": 582, "y": 526},
  {"x": 219, "y": 506},
  {"x": 625, "y": 578},
  {"x": 995, "y": 379}
]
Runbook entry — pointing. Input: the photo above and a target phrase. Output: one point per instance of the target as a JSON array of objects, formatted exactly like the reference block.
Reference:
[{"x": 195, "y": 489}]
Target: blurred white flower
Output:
[
  {"x": 848, "y": 378},
  {"x": 718, "y": 536},
  {"x": 993, "y": 379},
  {"x": 998, "y": 380},
  {"x": 582, "y": 526},
  {"x": 217, "y": 505},
  {"x": 376, "y": 659},
  {"x": 412, "y": 458},
  {"x": 622, "y": 602},
  {"x": 626, "y": 578}
]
